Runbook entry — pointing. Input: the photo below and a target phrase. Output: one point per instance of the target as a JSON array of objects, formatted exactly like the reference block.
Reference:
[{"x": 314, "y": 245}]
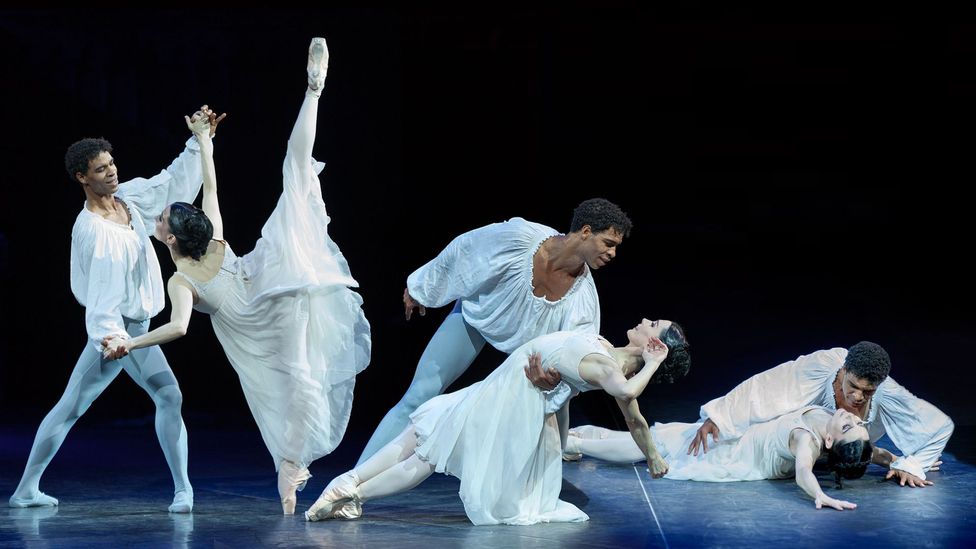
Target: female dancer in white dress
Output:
[
  {"x": 285, "y": 314},
  {"x": 499, "y": 436},
  {"x": 786, "y": 446}
]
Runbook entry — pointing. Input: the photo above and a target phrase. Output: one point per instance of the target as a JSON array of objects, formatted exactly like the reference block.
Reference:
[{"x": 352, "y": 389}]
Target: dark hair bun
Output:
[{"x": 192, "y": 229}]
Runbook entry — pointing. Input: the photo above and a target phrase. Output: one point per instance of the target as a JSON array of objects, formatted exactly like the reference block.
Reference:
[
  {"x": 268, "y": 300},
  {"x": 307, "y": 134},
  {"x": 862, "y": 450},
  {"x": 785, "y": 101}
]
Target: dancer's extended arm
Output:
[
  {"x": 807, "y": 450},
  {"x": 641, "y": 433},
  {"x": 606, "y": 373},
  {"x": 210, "y": 205},
  {"x": 181, "y": 300}
]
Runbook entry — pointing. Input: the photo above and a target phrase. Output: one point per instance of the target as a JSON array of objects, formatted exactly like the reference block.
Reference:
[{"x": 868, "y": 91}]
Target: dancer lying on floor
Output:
[
  {"x": 786, "y": 446},
  {"x": 854, "y": 379}
]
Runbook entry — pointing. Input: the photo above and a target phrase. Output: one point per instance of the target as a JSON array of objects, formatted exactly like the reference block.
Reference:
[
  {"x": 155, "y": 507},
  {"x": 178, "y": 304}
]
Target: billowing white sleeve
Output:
[
  {"x": 106, "y": 284},
  {"x": 179, "y": 182},
  {"x": 918, "y": 429},
  {"x": 471, "y": 260},
  {"x": 770, "y": 394}
]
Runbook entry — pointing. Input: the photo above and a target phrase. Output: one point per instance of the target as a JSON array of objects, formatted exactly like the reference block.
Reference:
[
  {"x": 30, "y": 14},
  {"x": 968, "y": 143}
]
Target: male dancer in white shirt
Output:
[
  {"x": 115, "y": 276},
  {"x": 512, "y": 282}
]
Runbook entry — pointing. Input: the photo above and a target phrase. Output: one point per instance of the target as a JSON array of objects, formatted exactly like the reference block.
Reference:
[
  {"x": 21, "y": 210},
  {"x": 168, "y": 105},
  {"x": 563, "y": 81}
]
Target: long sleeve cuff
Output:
[
  {"x": 192, "y": 144},
  {"x": 910, "y": 465},
  {"x": 557, "y": 397}
]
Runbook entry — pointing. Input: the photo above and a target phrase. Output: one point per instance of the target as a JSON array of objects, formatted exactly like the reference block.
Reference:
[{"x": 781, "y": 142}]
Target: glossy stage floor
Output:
[{"x": 114, "y": 488}]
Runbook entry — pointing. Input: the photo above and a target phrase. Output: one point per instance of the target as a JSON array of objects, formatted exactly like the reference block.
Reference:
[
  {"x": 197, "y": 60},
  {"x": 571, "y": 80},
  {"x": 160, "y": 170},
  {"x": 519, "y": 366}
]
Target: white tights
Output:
[
  {"x": 91, "y": 375},
  {"x": 602, "y": 443},
  {"x": 449, "y": 353},
  {"x": 393, "y": 469}
]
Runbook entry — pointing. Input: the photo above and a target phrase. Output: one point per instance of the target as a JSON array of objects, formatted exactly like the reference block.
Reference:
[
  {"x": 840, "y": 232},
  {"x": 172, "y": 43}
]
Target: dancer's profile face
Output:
[
  {"x": 162, "y": 226},
  {"x": 846, "y": 427},
  {"x": 642, "y": 333},
  {"x": 599, "y": 248},
  {"x": 102, "y": 177}
]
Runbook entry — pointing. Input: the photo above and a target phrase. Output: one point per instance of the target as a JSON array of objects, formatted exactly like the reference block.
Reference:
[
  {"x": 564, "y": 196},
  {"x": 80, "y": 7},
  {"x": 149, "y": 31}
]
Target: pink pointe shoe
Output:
[
  {"x": 318, "y": 65},
  {"x": 343, "y": 489},
  {"x": 291, "y": 479}
]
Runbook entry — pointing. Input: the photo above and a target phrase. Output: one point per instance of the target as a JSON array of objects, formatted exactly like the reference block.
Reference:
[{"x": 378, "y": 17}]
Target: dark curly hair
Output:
[
  {"x": 600, "y": 214},
  {"x": 80, "y": 153},
  {"x": 191, "y": 227},
  {"x": 868, "y": 361},
  {"x": 849, "y": 460},
  {"x": 678, "y": 361}
]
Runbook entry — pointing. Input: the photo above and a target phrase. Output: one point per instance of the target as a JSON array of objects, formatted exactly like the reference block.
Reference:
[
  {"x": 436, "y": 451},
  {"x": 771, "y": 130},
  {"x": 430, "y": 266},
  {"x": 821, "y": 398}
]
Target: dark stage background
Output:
[{"x": 797, "y": 181}]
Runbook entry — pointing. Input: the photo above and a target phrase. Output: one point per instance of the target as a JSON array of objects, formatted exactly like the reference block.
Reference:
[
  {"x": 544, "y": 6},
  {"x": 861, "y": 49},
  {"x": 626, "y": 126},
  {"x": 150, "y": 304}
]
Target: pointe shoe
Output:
[
  {"x": 182, "y": 502},
  {"x": 589, "y": 432},
  {"x": 343, "y": 489},
  {"x": 291, "y": 479},
  {"x": 347, "y": 511},
  {"x": 40, "y": 499},
  {"x": 571, "y": 451},
  {"x": 318, "y": 65}
]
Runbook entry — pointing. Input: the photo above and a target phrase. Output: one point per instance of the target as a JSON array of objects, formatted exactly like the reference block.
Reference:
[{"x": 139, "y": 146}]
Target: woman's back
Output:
[{"x": 213, "y": 277}]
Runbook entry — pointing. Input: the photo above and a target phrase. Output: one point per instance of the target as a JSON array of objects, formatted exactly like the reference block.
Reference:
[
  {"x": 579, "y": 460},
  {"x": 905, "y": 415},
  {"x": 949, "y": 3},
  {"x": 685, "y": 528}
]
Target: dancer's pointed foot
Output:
[
  {"x": 291, "y": 478},
  {"x": 347, "y": 511},
  {"x": 344, "y": 488},
  {"x": 318, "y": 65},
  {"x": 572, "y": 450},
  {"x": 182, "y": 502},
  {"x": 589, "y": 432},
  {"x": 37, "y": 499}
]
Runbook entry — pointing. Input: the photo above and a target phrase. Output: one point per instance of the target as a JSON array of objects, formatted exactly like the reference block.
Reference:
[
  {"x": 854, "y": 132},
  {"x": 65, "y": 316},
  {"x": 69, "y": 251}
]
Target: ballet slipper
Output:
[
  {"x": 291, "y": 479},
  {"x": 347, "y": 511},
  {"x": 572, "y": 450},
  {"x": 40, "y": 499},
  {"x": 588, "y": 432},
  {"x": 343, "y": 489},
  {"x": 182, "y": 502}
]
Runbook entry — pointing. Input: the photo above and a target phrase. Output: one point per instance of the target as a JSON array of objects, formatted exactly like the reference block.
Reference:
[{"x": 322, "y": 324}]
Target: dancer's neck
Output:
[
  {"x": 560, "y": 253},
  {"x": 629, "y": 358},
  {"x": 103, "y": 205}
]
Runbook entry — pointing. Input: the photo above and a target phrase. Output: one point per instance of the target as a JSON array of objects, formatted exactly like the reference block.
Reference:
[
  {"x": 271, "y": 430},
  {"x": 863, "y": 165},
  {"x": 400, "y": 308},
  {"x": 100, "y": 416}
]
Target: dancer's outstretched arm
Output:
[
  {"x": 641, "y": 433},
  {"x": 200, "y": 124},
  {"x": 606, "y": 373},
  {"x": 181, "y": 298},
  {"x": 806, "y": 450}
]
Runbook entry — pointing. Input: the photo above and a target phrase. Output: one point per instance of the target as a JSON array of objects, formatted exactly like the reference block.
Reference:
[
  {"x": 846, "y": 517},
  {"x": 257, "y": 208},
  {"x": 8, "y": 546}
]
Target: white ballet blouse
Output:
[
  {"x": 918, "y": 429},
  {"x": 490, "y": 270},
  {"x": 114, "y": 269}
]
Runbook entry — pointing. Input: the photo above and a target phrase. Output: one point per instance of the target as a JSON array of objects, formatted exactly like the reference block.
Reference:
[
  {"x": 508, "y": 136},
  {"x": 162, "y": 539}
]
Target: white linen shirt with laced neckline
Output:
[
  {"x": 114, "y": 269},
  {"x": 490, "y": 270}
]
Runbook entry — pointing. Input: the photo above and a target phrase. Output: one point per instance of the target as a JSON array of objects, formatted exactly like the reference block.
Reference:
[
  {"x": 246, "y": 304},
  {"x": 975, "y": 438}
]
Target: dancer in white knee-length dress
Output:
[
  {"x": 499, "y": 436},
  {"x": 284, "y": 313}
]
